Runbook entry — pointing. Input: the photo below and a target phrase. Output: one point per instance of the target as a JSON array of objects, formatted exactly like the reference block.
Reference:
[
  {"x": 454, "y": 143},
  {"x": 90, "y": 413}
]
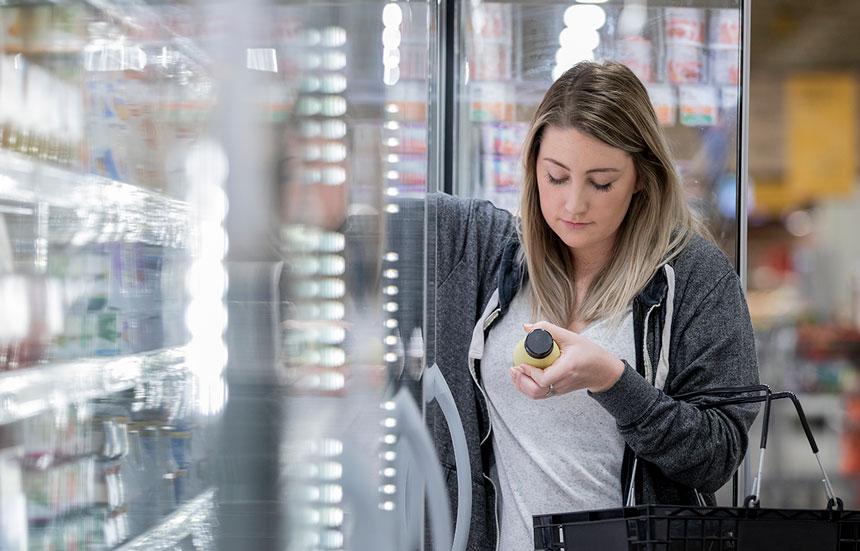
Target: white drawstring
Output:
[
  {"x": 663, "y": 364},
  {"x": 662, "y": 370}
]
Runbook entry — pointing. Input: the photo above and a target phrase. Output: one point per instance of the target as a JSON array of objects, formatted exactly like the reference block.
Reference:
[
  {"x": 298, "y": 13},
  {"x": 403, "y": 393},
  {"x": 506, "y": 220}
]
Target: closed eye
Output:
[
  {"x": 602, "y": 187},
  {"x": 555, "y": 181}
]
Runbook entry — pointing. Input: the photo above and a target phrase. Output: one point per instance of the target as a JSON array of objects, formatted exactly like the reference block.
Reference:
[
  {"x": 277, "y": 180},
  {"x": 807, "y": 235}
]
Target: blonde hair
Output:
[{"x": 608, "y": 102}]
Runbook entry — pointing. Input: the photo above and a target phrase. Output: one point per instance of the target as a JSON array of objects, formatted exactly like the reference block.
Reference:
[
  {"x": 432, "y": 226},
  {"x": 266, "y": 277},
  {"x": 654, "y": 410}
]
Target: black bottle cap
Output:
[{"x": 538, "y": 344}]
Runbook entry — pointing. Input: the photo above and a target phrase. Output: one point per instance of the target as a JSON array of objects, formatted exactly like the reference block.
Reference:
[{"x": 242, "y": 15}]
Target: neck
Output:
[{"x": 586, "y": 265}]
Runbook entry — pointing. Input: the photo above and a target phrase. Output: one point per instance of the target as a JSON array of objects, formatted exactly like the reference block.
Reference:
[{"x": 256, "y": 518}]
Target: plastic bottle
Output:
[{"x": 536, "y": 349}]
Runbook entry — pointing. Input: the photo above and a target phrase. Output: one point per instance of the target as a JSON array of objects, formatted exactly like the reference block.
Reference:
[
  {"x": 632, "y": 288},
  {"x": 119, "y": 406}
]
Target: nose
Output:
[{"x": 576, "y": 199}]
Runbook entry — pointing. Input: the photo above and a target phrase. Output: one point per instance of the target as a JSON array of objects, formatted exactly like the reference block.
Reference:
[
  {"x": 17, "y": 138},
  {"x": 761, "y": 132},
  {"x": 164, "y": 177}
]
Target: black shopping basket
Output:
[{"x": 702, "y": 528}]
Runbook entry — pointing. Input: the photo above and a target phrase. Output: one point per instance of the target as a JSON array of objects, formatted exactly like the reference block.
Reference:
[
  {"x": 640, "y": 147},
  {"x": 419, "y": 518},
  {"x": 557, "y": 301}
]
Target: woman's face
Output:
[{"x": 585, "y": 187}]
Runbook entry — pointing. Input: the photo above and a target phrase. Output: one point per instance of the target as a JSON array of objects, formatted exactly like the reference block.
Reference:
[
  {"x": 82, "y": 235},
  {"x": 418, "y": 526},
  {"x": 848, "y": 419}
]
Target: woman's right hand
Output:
[{"x": 582, "y": 364}]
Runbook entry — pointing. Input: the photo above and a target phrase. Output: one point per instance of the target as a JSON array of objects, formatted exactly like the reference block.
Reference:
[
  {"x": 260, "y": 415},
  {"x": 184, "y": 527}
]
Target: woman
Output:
[{"x": 609, "y": 258}]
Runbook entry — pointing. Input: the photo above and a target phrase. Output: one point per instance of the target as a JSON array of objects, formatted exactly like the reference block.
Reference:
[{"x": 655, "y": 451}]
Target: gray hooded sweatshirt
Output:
[{"x": 692, "y": 332}]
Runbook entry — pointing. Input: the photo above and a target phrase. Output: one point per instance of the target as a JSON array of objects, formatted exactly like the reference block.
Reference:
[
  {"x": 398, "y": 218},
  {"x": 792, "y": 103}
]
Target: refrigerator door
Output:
[
  {"x": 688, "y": 53},
  {"x": 213, "y": 270}
]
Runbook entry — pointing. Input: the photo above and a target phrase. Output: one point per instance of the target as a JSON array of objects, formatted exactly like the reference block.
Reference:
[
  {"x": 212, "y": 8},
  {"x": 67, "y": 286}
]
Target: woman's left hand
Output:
[{"x": 582, "y": 364}]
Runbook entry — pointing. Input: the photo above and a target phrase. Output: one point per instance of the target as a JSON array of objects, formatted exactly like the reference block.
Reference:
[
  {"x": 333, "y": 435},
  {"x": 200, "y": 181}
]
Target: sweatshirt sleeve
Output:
[
  {"x": 713, "y": 347},
  {"x": 466, "y": 231}
]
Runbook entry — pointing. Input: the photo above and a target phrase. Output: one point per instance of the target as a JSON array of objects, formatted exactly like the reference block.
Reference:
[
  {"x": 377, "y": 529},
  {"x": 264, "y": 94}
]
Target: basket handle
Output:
[
  {"x": 832, "y": 499},
  {"x": 732, "y": 391}
]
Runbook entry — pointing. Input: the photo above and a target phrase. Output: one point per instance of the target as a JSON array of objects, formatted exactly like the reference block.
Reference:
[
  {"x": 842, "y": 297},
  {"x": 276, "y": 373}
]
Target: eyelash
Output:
[
  {"x": 554, "y": 181},
  {"x": 599, "y": 187}
]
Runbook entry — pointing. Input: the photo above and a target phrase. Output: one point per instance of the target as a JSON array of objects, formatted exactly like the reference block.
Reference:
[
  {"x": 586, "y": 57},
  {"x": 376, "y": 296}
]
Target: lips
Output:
[{"x": 575, "y": 225}]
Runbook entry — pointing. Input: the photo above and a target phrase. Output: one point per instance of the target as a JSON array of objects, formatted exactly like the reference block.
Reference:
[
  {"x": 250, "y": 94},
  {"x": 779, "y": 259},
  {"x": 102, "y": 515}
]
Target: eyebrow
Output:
[{"x": 591, "y": 171}]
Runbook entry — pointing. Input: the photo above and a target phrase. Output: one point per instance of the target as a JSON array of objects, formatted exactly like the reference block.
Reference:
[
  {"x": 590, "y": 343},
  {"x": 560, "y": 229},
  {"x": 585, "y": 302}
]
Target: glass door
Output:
[
  {"x": 687, "y": 53},
  {"x": 212, "y": 271}
]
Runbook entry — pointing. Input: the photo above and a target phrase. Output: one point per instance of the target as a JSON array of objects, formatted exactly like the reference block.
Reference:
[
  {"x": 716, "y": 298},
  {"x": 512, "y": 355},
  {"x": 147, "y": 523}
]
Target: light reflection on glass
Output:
[{"x": 206, "y": 279}]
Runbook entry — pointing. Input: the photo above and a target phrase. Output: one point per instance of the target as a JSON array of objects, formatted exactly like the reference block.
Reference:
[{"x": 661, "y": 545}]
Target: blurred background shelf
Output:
[
  {"x": 192, "y": 518},
  {"x": 32, "y": 390},
  {"x": 108, "y": 209}
]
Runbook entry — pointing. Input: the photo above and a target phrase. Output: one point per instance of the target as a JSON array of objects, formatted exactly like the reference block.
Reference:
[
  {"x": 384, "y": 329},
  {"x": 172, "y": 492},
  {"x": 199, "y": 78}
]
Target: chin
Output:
[{"x": 573, "y": 242}]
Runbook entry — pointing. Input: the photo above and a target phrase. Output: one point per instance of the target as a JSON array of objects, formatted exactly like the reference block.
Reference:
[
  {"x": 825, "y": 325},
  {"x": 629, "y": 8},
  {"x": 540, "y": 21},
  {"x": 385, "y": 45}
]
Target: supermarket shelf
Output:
[
  {"x": 196, "y": 516},
  {"x": 27, "y": 180},
  {"x": 44, "y": 50},
  {"x": 142, "y": 214},
  {"x": 135, "y": 14},
  {"x": 31, "y": 390}
]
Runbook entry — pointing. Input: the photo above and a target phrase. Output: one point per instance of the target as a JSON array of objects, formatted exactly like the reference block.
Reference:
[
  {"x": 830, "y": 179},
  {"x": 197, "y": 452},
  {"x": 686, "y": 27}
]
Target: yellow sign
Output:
[{"x": 821, "y": 115}]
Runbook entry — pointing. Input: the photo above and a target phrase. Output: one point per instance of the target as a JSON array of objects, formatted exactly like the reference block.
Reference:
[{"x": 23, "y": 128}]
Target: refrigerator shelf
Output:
[
  {"x": 150, "y": 214},
  {"x": 32, "y": 390},
  {"x": 195, "y": 517}
]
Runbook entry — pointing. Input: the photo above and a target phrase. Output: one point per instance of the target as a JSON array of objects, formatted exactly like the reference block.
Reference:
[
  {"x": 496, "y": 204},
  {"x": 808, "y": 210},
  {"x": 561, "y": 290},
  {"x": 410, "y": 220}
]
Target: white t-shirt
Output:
[{"x": 557, "y": 455}]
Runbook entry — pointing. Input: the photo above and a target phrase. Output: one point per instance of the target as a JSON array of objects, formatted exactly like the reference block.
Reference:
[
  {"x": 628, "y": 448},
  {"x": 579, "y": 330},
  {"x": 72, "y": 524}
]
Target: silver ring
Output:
[{"x": 550, "y": 391}]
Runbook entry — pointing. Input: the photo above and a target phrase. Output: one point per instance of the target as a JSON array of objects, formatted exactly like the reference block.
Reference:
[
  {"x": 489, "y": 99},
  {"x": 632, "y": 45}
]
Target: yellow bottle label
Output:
[{"x": 523, "y": 357}]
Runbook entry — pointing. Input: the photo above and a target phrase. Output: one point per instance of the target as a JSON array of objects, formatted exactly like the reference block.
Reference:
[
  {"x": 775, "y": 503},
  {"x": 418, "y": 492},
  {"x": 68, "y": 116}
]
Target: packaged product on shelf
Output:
[
  {"x": 685, "y": 41},
  {"x": 414, "y": 61},
  {"x": 411, "y": 173},
  {"x": 500, "y": 173},
  {"x": 94, "y": 529},
  {"x": 665, "y": 103},
  {"x": 490, "y": 138},
  {"x": 165, "y": 119},
  {"x": 503, "y": 138},
  {"x": 407, "y": 100},
  {"x": 685, "y": 63},
  {"x": 698, "y": 105},
  {"x": 492, "y": 101},
  {"x": 490, "y": 61},
  {"x": 109, "y": 490},
  {"x": 12, "y": 28},
  {"x": 725, "y": 27},
  {"x": 59, "y": 489},
  {"x": 106, "y": 127},
  {"x": 11, "y": 100},
  {"x": 15, "y": 325},
  {"x": 110, "y": 432},
  {"x": 685, "y": 25},
  {"x": 108, "y": 332},
  {"x": 38, "y": 311},
  {"x": 725, "y": 65},
  {"x": 728, "y": 98},
  {"x": 636, "y": 53},
  {"x": 148, "y": 266},
  {"x": 149, "y": 471},
  {"x": 59, "y": 436},
  {"x": 147, "y": 140},
  {"x": 32, "y": 113},
  {"x": 136, "y": 128},
  {"x": 39, "y": 113},
  {"x": 489, "y": 47},
  {"x": 174, "y": 297},
  {"x": 491, "y": 22},
  {"x": 131, "y": 320},
  {"x": 85, "y": 278},
  {"x": 409, "y": 139},
  {"x": 180, "y": 447},
  {"x": 43, "y": 28}
]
